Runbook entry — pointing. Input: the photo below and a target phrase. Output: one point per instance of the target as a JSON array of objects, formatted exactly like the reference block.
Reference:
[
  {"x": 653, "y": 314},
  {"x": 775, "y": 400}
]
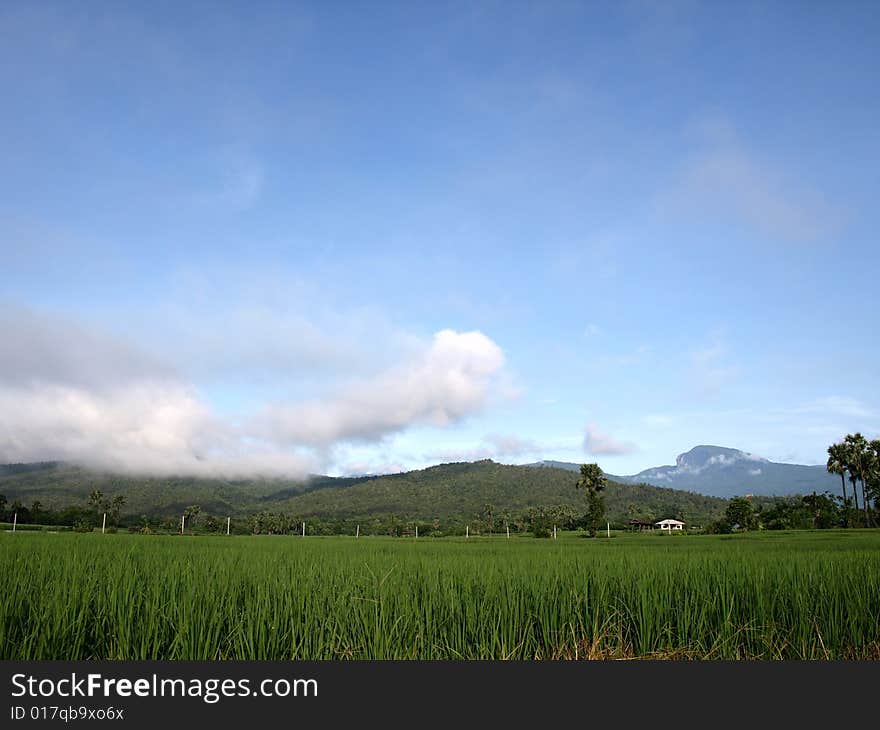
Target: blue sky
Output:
[{"x": 355, "y": 237}]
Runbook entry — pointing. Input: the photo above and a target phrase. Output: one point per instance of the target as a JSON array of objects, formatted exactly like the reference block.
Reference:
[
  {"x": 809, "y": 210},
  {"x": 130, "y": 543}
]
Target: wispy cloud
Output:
[
  {"x": 231, "y": 181},
  {"x": 599, "y": 254},
  {"x": 710, "y": 366},
  {"x": 492, "y": 446},
  {"x": 658, "y": 420},
  {"x": 602, "y": 444},
  {"x": 838, "y": 405},
  {"x": 726, "y": 181}
]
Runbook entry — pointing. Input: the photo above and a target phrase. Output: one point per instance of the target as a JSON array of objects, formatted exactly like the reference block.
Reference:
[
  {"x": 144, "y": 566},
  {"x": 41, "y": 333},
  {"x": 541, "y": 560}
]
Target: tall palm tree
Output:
[
  {"x": 837, "y": 465},
  {"x": 874, "y": 473},
  {"x": 851, "y": 475},
  {"x": 859, "y": 465},
  {"x": 592, "y": 480},
  {"x": 847, "y": 458}
]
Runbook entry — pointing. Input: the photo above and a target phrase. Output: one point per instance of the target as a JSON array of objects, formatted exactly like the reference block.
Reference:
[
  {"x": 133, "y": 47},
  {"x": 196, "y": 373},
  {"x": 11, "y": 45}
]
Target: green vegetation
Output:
[
  {"x": 772, "y": 595},
  {"x": 449, "y": 495},
  {"x": 59, "y": 485}
]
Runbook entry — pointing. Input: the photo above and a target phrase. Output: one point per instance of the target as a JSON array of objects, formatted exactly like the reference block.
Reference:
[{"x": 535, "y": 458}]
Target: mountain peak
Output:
[
  {"x": 704, "y": 456},
  {"x": 723, "y": 472}
]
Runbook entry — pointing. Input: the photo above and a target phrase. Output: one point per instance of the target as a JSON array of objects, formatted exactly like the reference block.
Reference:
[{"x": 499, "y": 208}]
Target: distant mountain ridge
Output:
[
  {"x": 445, "y": 491},
  {"x": 690, "y": 487},
  {"x": 719, "y": 471}
]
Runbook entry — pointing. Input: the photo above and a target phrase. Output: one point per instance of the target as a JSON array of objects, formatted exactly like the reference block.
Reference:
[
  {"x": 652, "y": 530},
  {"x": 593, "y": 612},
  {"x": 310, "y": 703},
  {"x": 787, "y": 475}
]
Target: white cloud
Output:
[
  {"x": 72, "y": 392},
  {"x": 450, "y": 381},
  {"x": 371, "y": 468},
  {"x": 722, "y": 460},
  {"x": 600, "y": 443},
  {"x": 151, "y": 426},
  {"x": 493, "y": 446},
  {"x": 507, "y": 445}
]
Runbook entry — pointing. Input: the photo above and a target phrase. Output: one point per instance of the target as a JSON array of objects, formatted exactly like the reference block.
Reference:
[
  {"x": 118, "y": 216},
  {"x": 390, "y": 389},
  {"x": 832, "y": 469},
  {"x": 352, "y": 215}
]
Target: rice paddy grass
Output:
[{"x": 807, "y": 595}]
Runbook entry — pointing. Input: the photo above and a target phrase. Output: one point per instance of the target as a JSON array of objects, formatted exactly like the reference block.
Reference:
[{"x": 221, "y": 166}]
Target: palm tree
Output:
[
  {"x": 487, "y": 515},
  {"x": 851, "y": 475},
  {"x": 874, "y": 472},
  {"x": 592, "y": 477},
  {"x": 96, "y": 500},
  {"x": 837, "y": 465},
  {"x": 593, "y": 481},
  {"x": 859, "y": 465}
]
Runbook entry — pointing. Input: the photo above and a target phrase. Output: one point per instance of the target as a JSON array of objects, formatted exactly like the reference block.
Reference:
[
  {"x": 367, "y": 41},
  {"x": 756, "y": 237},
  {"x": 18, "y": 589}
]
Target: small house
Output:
[
  {"x": 639, "y": 525},
  {"x": 670, "y": 525}
]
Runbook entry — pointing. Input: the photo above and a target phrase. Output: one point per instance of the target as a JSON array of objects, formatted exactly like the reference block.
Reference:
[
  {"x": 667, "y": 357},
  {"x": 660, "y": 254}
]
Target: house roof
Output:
[{"x": 669, "y": 522}]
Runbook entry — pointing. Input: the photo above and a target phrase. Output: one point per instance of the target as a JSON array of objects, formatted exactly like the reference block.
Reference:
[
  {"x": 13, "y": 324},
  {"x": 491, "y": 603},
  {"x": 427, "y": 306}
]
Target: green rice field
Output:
[{"x": 807, "y": 595}]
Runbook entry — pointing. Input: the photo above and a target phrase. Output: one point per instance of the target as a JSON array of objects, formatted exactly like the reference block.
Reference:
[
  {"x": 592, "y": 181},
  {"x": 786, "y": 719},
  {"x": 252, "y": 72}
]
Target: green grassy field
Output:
[{"x": 810, "y": 595}]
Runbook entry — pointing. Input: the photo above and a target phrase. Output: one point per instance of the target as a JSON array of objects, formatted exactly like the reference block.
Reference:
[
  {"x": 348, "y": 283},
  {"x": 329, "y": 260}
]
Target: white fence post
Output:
[
  {"x": 508, "y": 531},
  {"x": 228, "y": 519},
  {"x": 417, "y": 532},
  {"x": 14, "y": 521},
  {"x": 467, "y": 530},
  {"x": 304, "y": 529},
  {"x": 357, "y": 532},
  {"x": 104, "y": 523},
  {"x": 182, "y": 519}
]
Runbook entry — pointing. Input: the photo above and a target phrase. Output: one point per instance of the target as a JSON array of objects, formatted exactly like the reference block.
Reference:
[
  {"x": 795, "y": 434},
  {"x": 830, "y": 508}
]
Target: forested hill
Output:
[
  {"x": 450, "y": 490},
  {"x": 57, "y": 485},
  {"x": 443, "y": 491}
]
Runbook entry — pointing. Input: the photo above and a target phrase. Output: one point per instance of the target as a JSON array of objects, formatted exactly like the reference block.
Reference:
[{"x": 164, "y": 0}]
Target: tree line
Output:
[
  {"x": 76, "y": 516},
  {"x": 857, "y": 459}
]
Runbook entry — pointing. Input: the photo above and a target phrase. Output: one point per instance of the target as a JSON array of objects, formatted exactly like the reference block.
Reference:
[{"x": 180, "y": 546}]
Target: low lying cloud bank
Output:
[
  {"x": 150, "y": 427},
  {"x": 69, "y": 393}
]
